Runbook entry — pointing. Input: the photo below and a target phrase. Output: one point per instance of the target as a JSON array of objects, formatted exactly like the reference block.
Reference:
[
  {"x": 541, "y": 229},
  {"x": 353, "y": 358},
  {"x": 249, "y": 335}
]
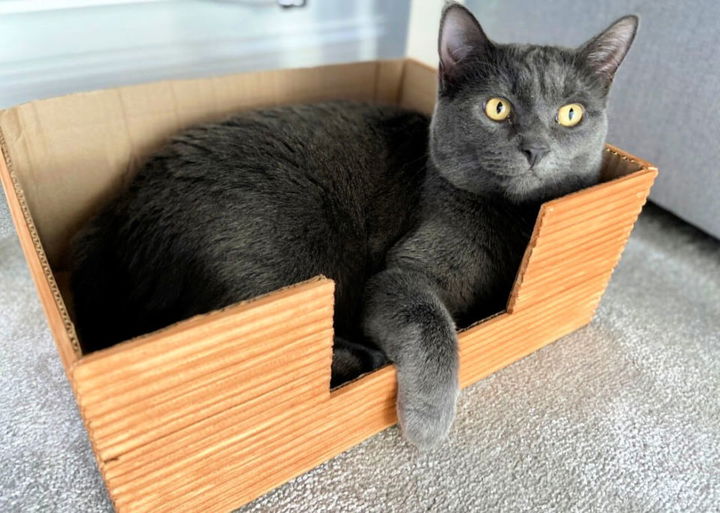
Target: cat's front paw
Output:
[{"x": 425, "y": 420}]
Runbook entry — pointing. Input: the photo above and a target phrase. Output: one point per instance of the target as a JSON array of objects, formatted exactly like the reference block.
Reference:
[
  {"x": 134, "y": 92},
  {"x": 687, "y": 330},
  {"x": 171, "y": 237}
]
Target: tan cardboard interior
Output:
[{"x": 71, "y": 154}]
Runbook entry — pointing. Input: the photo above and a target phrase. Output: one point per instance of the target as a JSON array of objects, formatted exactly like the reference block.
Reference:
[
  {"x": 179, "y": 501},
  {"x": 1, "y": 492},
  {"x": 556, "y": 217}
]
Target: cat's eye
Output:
[
  {"x": 497, "y": 109},
  {"x": 570, "y": 114}
]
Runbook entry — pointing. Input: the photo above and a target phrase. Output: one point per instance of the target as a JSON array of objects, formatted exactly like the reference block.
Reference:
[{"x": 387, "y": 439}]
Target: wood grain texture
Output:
[
  {"x": 580, "y": 237},
  {"x": 214, "y": 411},
  {"x": 283, "y": 422}
]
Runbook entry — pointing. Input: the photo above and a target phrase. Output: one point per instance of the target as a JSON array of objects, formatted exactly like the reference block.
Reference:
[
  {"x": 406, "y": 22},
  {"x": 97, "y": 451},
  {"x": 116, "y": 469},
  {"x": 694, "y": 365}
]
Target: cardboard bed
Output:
[{"x": 214, "y": 411}]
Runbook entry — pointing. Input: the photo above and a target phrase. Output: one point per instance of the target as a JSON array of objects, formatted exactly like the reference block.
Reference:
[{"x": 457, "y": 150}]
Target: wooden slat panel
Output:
[
  {"x": 187, "y": 358},
  {"x": 555, "y": 244},
  {"x": 566, "y": 280},
  {"x": 295, "y": 374},
  {"x": 536, "y": 326},
  {"x": 575, "y": 201},
  {"x": 550, "y": 258},
  {"x": 485, "y": 361},
  {"x": 236, "y": 447},
  {"x": 600, "y": 213},
  {"x": 215, "y": 355},
  {"x": 228, "y": 378},
  {"x": 251, "y": 416},
  {"x": 102, "y": 366},
  {"x": 377, "y": 399},
  {"x": 580, "y": 237},
  {"x": 583, "y": 297},
  {"x": 323, "y": 431},
  {"x": 569, "y": 280}
]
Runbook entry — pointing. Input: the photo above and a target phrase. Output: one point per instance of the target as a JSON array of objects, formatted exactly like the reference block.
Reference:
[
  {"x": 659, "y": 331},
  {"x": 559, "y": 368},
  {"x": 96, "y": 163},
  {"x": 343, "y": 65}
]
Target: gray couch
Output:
[{"x": 666, "y": 99}]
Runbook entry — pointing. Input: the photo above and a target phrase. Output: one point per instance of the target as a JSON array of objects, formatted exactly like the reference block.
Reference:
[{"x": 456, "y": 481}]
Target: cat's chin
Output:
[
  {"x": 524, "y": 187},
  {"x": 521, "y": 185},
  {"x": 535, "y": 189}
]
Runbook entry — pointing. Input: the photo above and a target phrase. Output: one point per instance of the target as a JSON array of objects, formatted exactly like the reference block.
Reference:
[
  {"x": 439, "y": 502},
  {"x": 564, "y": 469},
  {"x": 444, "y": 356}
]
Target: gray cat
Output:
[{"x": 422, "y": 224}]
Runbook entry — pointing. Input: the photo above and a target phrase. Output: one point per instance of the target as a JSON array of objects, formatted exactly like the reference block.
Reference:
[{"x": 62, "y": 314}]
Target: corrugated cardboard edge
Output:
[{"x": 61, "y": 326}]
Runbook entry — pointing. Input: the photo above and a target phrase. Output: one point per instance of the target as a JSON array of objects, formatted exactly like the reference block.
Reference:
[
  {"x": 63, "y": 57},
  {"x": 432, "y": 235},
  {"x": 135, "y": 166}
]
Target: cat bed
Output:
[{"x": 214, "y": 411}]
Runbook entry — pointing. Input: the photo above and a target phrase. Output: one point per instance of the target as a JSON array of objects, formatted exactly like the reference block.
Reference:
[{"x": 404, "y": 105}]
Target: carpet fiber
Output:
[{"x": 621, "y": 416}]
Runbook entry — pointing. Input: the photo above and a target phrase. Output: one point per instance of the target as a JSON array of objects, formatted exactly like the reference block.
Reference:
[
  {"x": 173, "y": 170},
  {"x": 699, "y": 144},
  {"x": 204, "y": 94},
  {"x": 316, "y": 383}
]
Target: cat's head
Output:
[{"x": 523, "y": 121}]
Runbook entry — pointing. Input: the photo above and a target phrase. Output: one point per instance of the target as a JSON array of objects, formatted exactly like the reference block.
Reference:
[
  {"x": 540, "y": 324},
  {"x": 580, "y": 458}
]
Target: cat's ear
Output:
[
  {"x": 460, "y": 35},
  {"x": 604, "y": 53}
]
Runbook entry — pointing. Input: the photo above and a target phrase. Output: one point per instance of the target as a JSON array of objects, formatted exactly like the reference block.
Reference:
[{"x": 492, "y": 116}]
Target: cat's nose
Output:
[{"x": 534, "y": 152}]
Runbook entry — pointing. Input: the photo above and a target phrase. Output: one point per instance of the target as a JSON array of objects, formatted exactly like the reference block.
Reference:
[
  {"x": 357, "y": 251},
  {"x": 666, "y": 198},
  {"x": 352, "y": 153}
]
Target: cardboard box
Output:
[{"x": 212, "y": 412}]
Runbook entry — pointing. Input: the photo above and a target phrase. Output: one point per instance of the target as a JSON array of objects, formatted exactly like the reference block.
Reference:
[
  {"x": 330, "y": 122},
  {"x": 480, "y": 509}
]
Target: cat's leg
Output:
[
  {"x": 406, "y": 318},
  {"x": 350, "y": 360}
]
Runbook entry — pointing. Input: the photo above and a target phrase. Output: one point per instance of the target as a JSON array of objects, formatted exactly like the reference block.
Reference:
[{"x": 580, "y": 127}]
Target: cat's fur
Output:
[
  {"x": 417, "y": 243},
  {"x": 243, "y": 207}
]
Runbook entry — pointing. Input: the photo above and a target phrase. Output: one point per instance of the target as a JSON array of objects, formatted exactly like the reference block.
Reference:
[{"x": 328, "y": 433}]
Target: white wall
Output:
[
  {"x": 55, "y": 47},
  {"x": 423, "y": 30}
]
